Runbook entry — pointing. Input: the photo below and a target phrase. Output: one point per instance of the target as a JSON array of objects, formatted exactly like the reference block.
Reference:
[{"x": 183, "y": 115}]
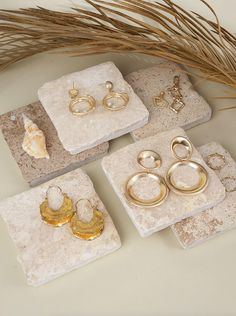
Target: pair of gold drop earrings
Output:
[
  {"x": 67, "y": 214},
  {"x": 108, "y": 101},
  {"x": 167, "y": 183},
  {"x": 177, "y": 104}
]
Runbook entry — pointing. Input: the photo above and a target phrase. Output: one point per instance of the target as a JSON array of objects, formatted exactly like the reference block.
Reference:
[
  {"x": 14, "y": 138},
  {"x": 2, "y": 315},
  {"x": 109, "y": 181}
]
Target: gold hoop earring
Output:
[
  {"x": 76, "y": 99},
  {"x": 60, "y": 216},
  {"x": 110, "y": 100},
  {"x": 149, "y": 160},
  {"x": 87, "y": 230},
  {"x": 184, "y": 160}
]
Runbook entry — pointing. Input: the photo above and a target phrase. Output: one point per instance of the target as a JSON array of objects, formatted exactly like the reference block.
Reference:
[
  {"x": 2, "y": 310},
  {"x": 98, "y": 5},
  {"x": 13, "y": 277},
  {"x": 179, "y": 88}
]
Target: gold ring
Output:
[
  {"x": 195, "y": 189},
  {"x": 216, "y": 156},
  {"x": 157, "y": 200},
  {"x": 149, "y": 155},
  {"x": 183, "y": 141}
]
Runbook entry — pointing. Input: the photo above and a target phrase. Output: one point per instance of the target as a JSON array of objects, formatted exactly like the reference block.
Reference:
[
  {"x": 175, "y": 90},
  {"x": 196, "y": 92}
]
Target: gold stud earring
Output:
[
  {"x": 160, "y": 100},
  {"x": 87, "y": 102},
  {"x": 178, "y": 103},
  {"x": 87, "y": 230},
  {"x": 183, "y": 161},
  {"x": 114, "y": 101},
  {"x": 60, "y": 216}
]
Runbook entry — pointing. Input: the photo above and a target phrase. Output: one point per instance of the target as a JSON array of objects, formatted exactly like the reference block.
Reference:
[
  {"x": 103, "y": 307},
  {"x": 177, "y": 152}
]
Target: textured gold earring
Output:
[
  {"x": 60, "y": 216},
  {"x": 114, "y": 101},
  {"x": 87, "y": 230},
  {"x": 86, "y": 102}
]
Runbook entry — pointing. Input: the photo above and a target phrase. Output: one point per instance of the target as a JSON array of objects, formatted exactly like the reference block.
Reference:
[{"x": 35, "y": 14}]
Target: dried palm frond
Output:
[{"x": 162, "y": 29}]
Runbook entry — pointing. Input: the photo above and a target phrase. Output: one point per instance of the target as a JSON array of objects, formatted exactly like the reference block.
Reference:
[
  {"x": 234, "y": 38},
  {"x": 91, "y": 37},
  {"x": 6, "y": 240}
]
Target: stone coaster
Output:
[
  {"x": 80, "y": 133},
  {"x": 46, "y": 252},
  {"x": 120, "y": 165},
  {"x": 149, "y": 82},
  {"x": 218, "y": 219},
  {"x": 36, "y": 171}
]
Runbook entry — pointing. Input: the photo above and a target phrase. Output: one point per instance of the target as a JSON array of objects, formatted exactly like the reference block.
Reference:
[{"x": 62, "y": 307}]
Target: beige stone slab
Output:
[
  {"x": 150, "y": 82},
  {"x": 220, "y": 218},
  {"x": 36, "y": 171},
  {"x": 46, "y": 252},
  {"x": 81, "y": 133},
  {"x": 120, "y": 165}
]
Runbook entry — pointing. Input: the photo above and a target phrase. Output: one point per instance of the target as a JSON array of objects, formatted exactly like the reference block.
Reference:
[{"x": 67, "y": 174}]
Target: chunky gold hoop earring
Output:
[
  {"x": 184, "y": 160},
  {"x": 149, "y": 160},
  {"x": 57, "y": 217},
  {"x": 87, "y": 230},
  {"x": 114, "y": 97},
  {"x": 76, "y": 99}
]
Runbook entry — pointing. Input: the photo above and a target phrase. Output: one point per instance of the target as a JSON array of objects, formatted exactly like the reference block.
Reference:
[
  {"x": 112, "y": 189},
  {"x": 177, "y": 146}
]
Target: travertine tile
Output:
[
  {"x": 46, "y": 252},
  {"x": 120, "y": 165},
  {"x": 218, "y": 219},
  {"x": 36, "y": 171},
  {"x": 80, "y": 133},
  {"x": 150, "y": 82}
]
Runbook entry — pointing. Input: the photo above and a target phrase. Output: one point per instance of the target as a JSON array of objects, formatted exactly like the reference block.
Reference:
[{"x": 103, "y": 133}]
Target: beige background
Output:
[{"x": 151, "y": 276}]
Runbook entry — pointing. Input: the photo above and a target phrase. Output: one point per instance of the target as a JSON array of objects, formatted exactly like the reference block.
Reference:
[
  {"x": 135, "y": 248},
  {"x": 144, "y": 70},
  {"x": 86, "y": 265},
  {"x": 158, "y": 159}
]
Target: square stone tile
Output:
[
  {"x": 149, "y": 82},
  {"x": 81, "y": 133},
  {"x": 36, "y": 171},
  {"x": 119, "y": 166},
  {"x": 220, "y": 218},
  {"x": 46, "y": 252}
]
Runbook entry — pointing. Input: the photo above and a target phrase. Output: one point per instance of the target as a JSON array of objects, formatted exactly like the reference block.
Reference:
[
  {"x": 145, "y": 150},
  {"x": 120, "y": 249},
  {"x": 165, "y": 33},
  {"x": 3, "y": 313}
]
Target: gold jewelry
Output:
[
  {"x": 185, "y": 161},
  {"x": 88, "y": 230},
  {"x": 160, "y": 100},
  {"x": 216, "y": 156},
  {"x": 178, "y": 103},
  {"x": 76, "y": 99},
  {"x": 226, "y": 182},
  {"x": 144, "y": 158},
  {"x": 147, "y": 157},
  {"x": 108, "y": 101},
  {"x": 57, "y": 217},
  {"x": 157, "y": 200}
]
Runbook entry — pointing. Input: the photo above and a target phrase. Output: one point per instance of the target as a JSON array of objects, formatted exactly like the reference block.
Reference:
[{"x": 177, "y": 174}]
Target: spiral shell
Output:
[{"x": 34, "y": 143}]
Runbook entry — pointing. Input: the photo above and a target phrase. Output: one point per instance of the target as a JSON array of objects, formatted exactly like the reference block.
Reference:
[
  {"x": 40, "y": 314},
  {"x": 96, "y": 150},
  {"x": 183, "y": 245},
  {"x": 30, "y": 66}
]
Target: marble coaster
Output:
[
  {"x": 120, "y": 165},
  {"x": 36, "y": 171},
  {"x": 150, "y": 82},
  {"x": 81, "y": 133},
  {"x": 220, "y": 218},
  {"x": 46, "y": 252}
]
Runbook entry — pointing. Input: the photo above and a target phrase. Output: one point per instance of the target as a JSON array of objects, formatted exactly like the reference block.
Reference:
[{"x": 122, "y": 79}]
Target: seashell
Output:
[{"x": 34, "y": 143}]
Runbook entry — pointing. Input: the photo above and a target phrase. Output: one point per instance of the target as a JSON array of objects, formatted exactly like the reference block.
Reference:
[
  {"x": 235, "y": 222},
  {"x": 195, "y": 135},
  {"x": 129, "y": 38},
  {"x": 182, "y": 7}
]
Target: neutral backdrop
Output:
[{"x": 147, "y": 276}]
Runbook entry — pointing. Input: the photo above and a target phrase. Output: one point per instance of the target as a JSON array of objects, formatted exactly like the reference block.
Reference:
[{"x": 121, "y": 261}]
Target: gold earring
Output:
[
  {"x": 160, "y": 100},
  {"x": 87, "y": 230},
  {"x": 114, "y": 101},
  {"x": 178, "y": 103},
  {"x": 184, "y": 160},
  {"x": 149, "y": 160},
  {"x": 57, "y": 217},
  {"x": 76, "y": 99},
  {"x": 212, "y": 161}
]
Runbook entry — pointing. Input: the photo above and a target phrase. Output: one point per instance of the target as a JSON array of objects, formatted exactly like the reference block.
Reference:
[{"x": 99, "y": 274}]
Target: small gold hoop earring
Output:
[
  {"x": 87, "y": 230},
  {"x": 58, "y": 217},
  {"x": 76, "y": 99},
  {"x": 184, "y": 160},
  {"x": 109, "y": 100}
]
